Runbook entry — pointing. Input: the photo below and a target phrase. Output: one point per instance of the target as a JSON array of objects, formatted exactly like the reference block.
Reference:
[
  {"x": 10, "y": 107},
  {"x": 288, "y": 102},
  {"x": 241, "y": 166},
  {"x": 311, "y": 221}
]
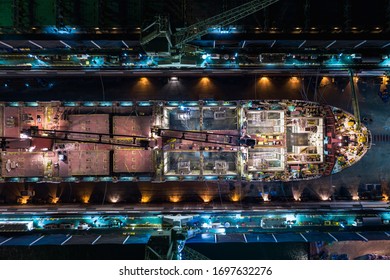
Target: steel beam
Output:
[
  {"x": 331, "y": 44},
  {"x": 361, "y": 43},
  {"x": 302, "y": 44}
]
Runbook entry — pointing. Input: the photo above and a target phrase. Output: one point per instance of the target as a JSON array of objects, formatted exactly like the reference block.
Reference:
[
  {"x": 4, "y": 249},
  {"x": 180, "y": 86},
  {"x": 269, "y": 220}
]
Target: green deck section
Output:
[
  {"x": 44, "y": 12},
  {"x": 6, "y": 13},
  {"x": 110, "y": 14},
  {"x": 89, "y": 13},
  {"x": 23, "y": 14},
  {"x": 81, "y": 13},
  {"x": 133, "y": 13},
  {"x": 70, "y": 11}
]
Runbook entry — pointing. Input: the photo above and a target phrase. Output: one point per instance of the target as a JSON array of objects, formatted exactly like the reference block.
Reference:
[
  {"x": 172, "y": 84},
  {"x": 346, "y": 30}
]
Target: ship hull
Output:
[{"x": 159, "y": 141}]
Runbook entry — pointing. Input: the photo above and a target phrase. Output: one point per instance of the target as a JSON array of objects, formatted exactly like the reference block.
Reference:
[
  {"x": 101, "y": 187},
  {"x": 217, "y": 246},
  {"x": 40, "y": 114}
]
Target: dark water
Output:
[
  {"x": 231, "y": 251},
  {"x": 255, "y": 251}
]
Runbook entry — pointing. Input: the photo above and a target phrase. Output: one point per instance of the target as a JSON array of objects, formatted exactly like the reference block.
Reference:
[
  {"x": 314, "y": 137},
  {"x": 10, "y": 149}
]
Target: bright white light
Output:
[
  {"x": 220, "y": 230},
  {"x": 31, "y": 149},
  {"x": 206, "y": 225},
  {"x": 204, "y": 56},
  {"x": 174, "y": 79},
  {"x": 24, "y": 136}
]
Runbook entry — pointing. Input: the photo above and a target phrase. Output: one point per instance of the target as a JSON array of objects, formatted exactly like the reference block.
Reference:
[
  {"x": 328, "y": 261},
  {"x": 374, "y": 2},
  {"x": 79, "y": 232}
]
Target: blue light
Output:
[
  {"x": 192, "y": 103},
  {"x": 71, "y": 179},
  {"x": 14, "y": 179},
  {"x": 145, "y": 178},
  {"x": 6, "y": 85},
  {"x": 105, "y": 103},
  {"x": 32, "y": 179},
  {"x": 106, "y": 179},
  {"x": 172, "y": 178},
  {"x": 181, "y": 107},
  {"x": 126, "y": 179},
  {"x": 204, "y": 56},
  {"x": 126, "y": 103},
  {"x": 173, "y": 103},
  {"x": 89, "y": 104},
  {"x": 211, "y": 103},
  {"x": 27, "y": 85},
  {"x": 236, "y": 54},
  {"x": 70, "y": 104},
  {"x": 60, "y": 30},
  {"x": 89, "y": 179},
  {"x": 144, "y": 103}
]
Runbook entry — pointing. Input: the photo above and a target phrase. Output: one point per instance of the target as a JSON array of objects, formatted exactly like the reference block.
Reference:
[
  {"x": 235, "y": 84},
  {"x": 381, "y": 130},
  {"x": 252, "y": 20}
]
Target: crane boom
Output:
[
  {"x": 201, "y": 28},
  {"x": 206, "y": 137},
  {"x": 134, "y": 140},
  {"x": 355, "y": 101},
  {"x": 88, "y": 137}
]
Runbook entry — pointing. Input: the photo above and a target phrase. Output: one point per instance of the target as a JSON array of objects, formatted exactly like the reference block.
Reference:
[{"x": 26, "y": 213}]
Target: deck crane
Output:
[
  {"x": 161, "y": 27},
  {"x": 88, "y": 137},
  {"x": 206, "y": 137},
  {"x": 137, "y": 141},
  {"x": 355, "y": 101}
]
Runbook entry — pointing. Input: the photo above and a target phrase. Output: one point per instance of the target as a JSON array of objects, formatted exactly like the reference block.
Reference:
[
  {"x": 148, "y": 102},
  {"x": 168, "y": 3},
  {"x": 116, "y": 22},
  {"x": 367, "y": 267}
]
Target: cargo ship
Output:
[{"x": 160, "y": 141}]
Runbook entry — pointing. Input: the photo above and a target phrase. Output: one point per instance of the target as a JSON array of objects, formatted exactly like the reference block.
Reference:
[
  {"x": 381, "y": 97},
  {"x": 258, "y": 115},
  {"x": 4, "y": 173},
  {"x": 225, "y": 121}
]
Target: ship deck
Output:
[{"x": 293, "y": 140}]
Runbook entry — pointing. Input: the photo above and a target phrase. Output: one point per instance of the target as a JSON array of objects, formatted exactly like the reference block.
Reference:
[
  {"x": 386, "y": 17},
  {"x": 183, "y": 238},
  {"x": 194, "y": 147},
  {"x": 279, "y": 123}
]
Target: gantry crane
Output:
[
  {"x": 201, "y": 28},
  {"x": 161, "y": 27}
]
